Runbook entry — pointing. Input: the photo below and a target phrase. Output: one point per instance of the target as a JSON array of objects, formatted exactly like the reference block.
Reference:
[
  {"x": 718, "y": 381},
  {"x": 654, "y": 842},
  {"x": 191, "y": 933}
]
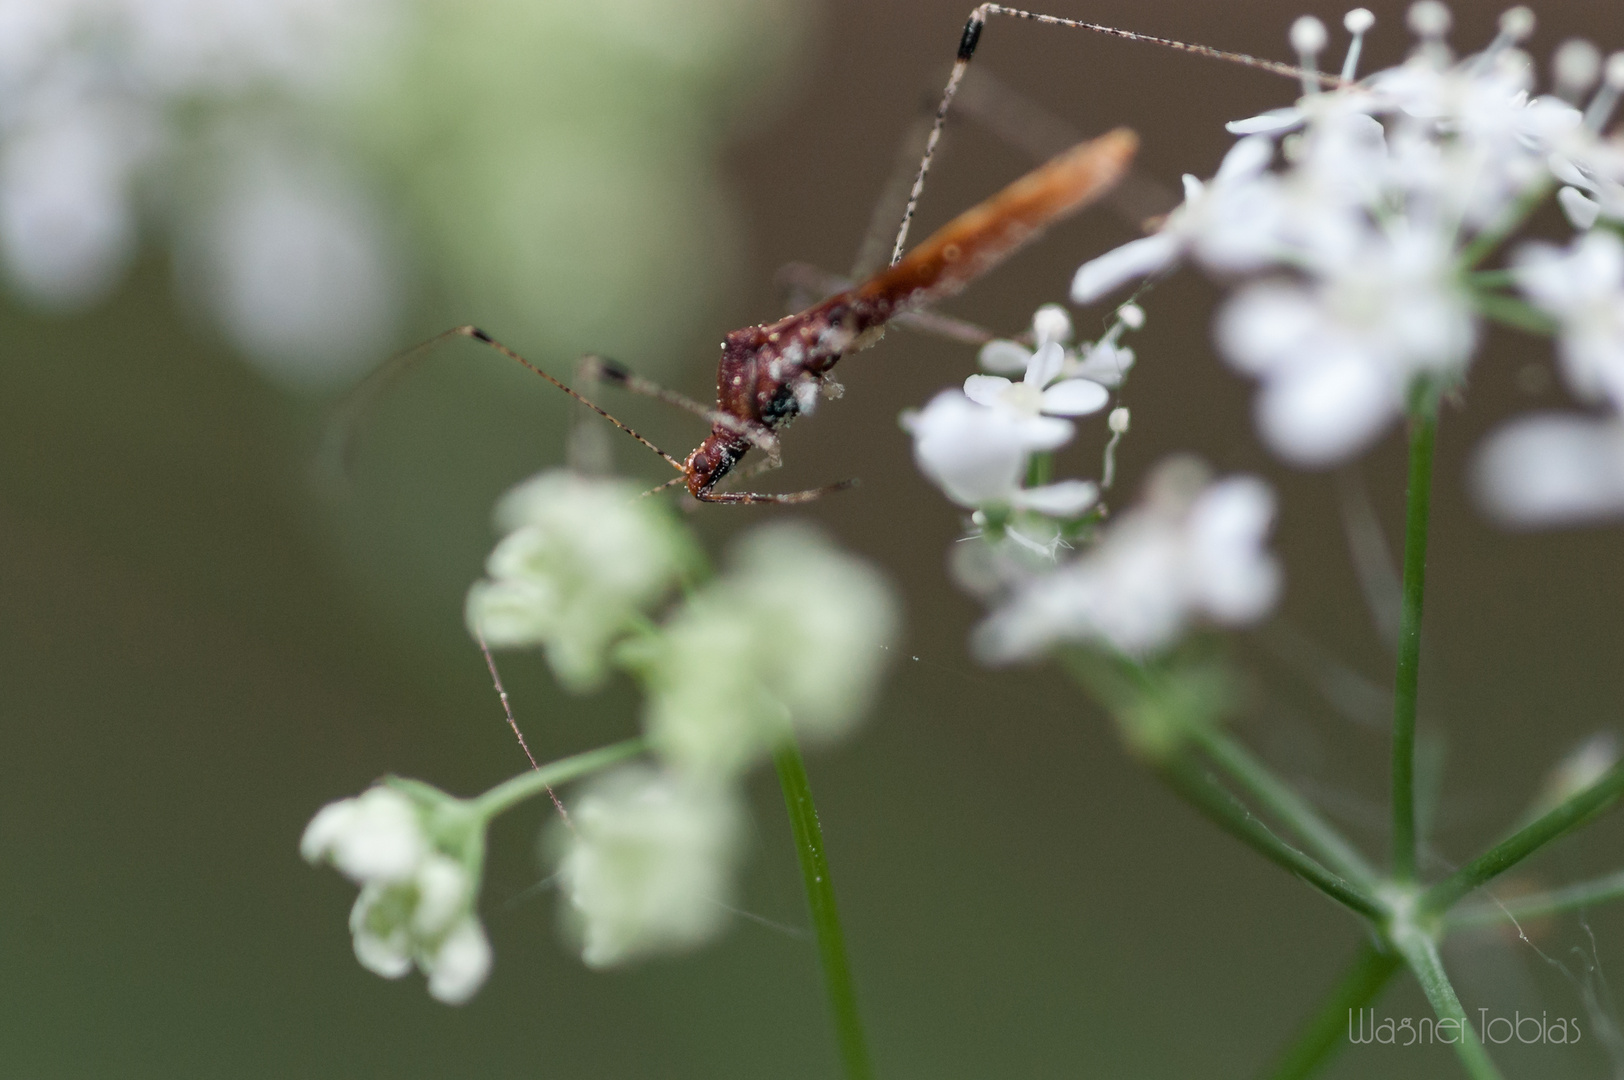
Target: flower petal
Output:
[
  {"x": 1003, "y": 356},
  {"x": 1075, "y": 397},
  {"x": 1552, "y": 469},
  {"x": 1045, "y": 365},
  {"x": 1066, "y": 499},
  {"x": 1135, "y": 259},
  {"x": 986, "y": 389}
]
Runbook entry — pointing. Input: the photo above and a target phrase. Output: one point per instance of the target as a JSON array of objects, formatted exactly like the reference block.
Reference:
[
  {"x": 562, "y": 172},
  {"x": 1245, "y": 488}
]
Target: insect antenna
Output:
[{"x": 972, "y": 37}]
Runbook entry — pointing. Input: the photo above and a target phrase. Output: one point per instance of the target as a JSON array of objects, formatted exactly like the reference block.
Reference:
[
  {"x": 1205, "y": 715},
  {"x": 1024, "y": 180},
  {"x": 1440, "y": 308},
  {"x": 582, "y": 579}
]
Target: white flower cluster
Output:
[
  {"x": 789, "y": 642},
  {"x": 977, "y": 444},
  {"x": 1560, "y": 468},
  {"x": 1192, "y": 549},
  {"x": 649, "y": 864},
  {"x": 417, "y": 861},
  {"x": 1359, "y": 213},
  {"x": 581, "y": 562}
]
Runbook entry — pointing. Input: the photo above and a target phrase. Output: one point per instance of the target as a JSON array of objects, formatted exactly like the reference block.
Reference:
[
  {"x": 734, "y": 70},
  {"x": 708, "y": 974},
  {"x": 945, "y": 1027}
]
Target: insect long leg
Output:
[
  {"x": 972, "y": 37},
  {"x": 790, "y": 498}
]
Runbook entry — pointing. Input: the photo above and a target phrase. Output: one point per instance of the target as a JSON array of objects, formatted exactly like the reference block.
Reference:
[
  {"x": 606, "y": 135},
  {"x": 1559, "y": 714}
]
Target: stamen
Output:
[
  {"x": 1606, "y": 99},
  {"x": 1358, "y": 23},
  {"x": 1308, "y": 37},
  {"x": 1429, "y": 20},
  {"x": 1575, "y": 68}
]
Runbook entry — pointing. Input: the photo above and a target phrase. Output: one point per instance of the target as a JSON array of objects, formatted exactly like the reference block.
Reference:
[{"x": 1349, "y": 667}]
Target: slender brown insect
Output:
[{"x": 771, "y": 373}]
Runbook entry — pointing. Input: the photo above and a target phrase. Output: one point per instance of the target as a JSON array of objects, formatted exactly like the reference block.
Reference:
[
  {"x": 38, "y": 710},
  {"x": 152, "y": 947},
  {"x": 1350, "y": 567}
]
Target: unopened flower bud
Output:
[{"x": 1118, "y": 420}]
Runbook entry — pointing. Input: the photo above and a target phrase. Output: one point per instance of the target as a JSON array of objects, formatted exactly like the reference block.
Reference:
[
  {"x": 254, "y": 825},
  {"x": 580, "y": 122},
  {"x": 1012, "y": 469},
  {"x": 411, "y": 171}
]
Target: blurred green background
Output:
[{"x": 203, "y": 638}]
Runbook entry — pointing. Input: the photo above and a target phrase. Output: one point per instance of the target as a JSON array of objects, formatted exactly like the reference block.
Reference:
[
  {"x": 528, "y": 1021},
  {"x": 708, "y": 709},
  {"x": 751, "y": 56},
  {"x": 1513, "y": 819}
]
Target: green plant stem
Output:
[
  {"x": 1423, "y": 433},
  {"x": 1255, "y": 778},
  {"x": 1536, "y": 905},
  {"x": 1485, "y": 242},
  {"x": 1523, "y": 843},
  {"x": 1321, "y": 1036},
  {"x": 820, "y": 898},
  {"x": 1515, "y": 313},
  {"x": 1421, "y": 953},
  {"x": 510, "y": 793},
  {"x": 1192, "y": 782}
]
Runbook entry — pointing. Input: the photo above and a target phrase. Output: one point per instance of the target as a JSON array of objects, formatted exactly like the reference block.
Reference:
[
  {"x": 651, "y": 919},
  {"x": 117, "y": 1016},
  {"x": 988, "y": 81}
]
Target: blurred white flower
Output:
[
  {"x": 417, "y": 898},
  {"x": 377, "y": 836},
  {"x": 1552, "y": 469},
  {"x": 1583, "y": 287},
  {"x": 1337, "y": 357},
  {"x": 648, "y": 864},
  {"x": 94, "y": 94},
  {"x": 293, "y": 256},
  {"x": 1191, "y": 550},
  {"x": 582, "y": 561},
  {"x": 1227, "y": 222},
  {"x": 791, "y": 639},
  {"x": 66, "y": 225}
]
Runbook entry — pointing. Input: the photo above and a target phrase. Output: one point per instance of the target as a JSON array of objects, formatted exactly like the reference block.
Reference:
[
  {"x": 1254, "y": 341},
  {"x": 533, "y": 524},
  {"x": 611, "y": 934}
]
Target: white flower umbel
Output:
[
  {"x": 792, "y": 638},
  {"x": 648, "y": 864},
  {"x": 583, "y": 559},
  {"x": 1552, "y": 469},
  {"x": 1191, "y": 550},
  {"x": 417, "y": 861},
  {"x": 1583, "y": 287},
  {"x": 1380, "y": 197}
]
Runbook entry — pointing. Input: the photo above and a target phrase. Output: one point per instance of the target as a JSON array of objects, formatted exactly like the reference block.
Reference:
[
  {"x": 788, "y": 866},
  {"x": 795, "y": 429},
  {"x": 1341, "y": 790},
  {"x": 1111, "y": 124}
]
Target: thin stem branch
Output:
[
  {"x": 1524, "y": 842},
  {"x": 1320, "y": 836},
  {"x": 1197, "y": 787},
  {"x": 820, "y": 898},
  {"x": 1513, "y": 312},
  {"x": 1322, "y": 1036},
  {"x": 1536, "y": 905},
  {"x": 1423, "y": 432},
  {"x": 510, "y": 793},
  {"x": 1484, "y": 243},
  {"x": 1421, "y": 953}
]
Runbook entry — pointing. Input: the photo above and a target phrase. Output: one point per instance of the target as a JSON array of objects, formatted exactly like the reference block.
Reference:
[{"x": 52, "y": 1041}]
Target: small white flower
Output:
[
  {"x": 377, "y": 836},
  {"x": 648, "y": 866},
  {"x": 1038, "y": 395},
  {"x": 459, "y": 967},
  {"x": 791, "y": 639},
  {"x": 1187, "y": 552},
  {"x": 1552, "y": 469},
  {"x": 417, "y": 894},
  {"x": 977, "y": 454},
  {"x": 582, "y": 560},
  {"x": 1583, "y": 287}
]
